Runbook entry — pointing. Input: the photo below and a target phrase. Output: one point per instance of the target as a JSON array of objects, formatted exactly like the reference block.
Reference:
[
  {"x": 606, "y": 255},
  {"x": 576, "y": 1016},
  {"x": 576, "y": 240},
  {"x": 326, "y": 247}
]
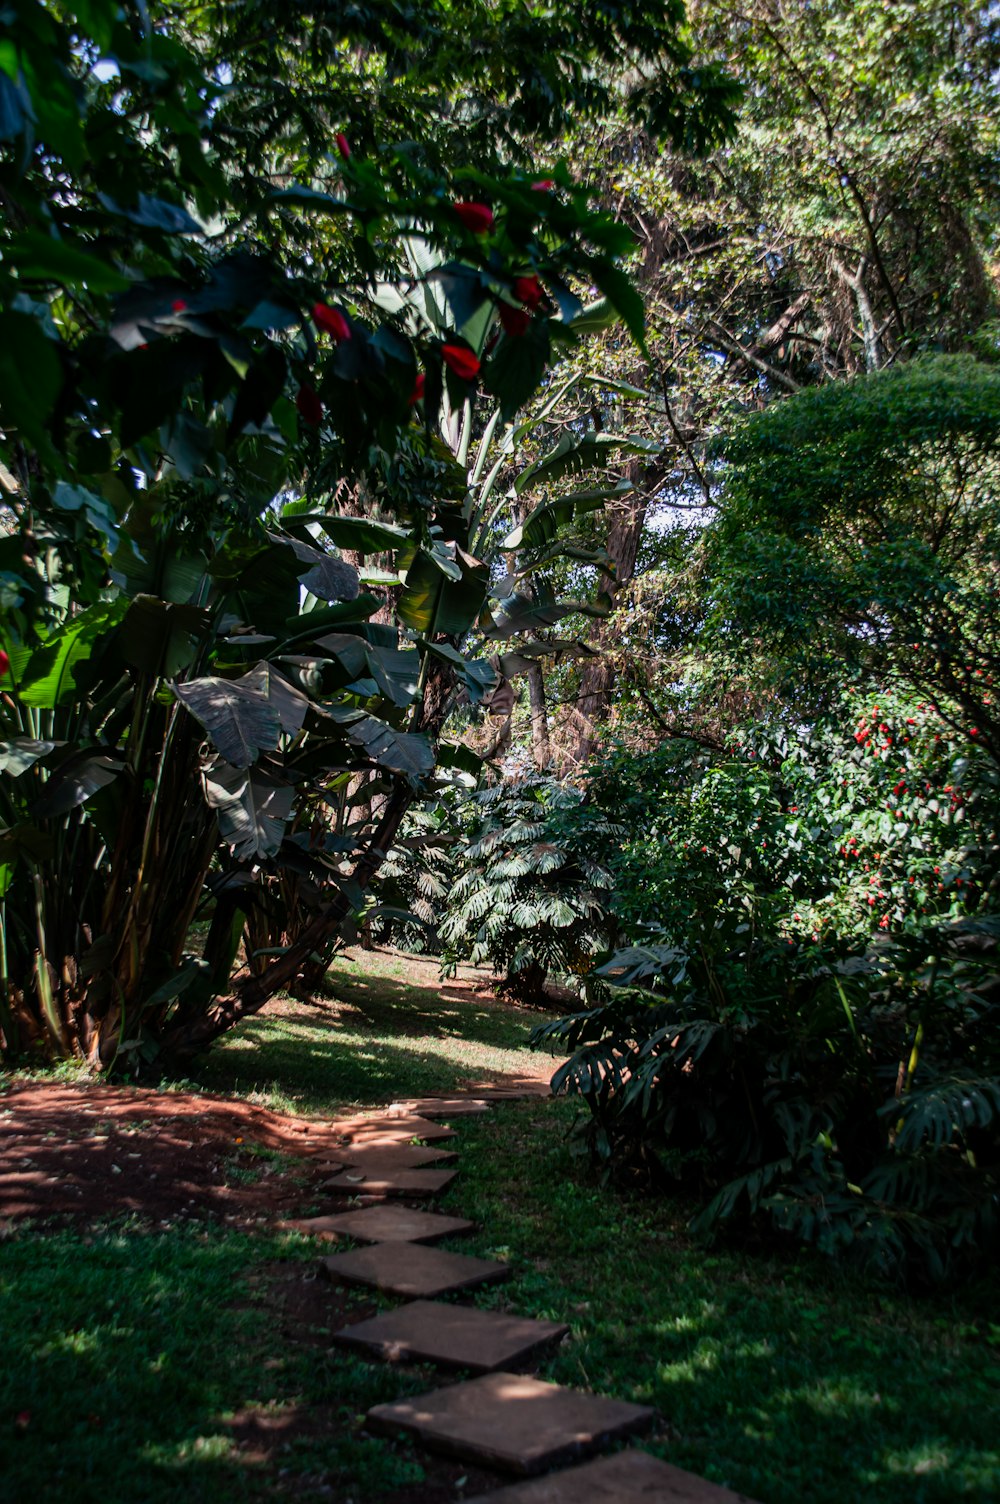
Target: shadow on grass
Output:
[
  {"x": 775, "y": 1372},
  {"x": 127, "y": 1355},
  {"x": 375, "y": 1035}
]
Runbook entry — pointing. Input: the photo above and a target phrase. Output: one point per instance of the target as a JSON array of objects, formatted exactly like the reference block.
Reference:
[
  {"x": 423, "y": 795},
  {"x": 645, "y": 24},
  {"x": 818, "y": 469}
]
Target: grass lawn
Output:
[
  {"x": 775, "y": 1373},
  {"x": 133, "y": 1354},
  {"x": 391, "y": 1029}
]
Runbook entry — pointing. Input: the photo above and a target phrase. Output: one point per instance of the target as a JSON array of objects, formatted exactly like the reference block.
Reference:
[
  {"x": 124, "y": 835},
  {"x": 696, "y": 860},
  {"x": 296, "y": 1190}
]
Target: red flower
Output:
[
  {"x": 529, "y": 291},
  {"x": 514, "y": 320},
  {"x": 973, "y": 730},
  {"x": 475, "y": 217},
  {"x": 460, "y": 360},
  {"x": 417, "y": 395},
  {"x": 342, "y": 146},
  {"x": 331, "y": 321},
  {"x": 544, "y": 185},
  {"x": 4, "y": 664},
  {"x": 308, "y": 403},
  {"x": 178, "y": 306}
]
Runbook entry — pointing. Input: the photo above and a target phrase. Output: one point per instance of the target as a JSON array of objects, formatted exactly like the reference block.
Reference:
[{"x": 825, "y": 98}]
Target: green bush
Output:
[
  {"x": 531, "y": 895},
  {"x": 778, "y": 1041}
]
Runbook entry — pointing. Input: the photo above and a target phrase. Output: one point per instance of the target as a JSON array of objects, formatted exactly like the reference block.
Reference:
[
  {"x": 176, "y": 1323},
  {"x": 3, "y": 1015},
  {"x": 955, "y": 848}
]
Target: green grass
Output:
[
  {"x": 126, "y": 1351},
  {"x": 380, "y": 1037},
  {"x": 775, "y": 1375}
]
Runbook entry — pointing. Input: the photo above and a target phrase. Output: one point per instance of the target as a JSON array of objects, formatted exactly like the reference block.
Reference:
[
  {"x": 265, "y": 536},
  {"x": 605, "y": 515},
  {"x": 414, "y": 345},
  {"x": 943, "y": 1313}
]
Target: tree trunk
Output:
[
  {"x": 541, "y": 747},
  {"x": 597, "y": 678}
]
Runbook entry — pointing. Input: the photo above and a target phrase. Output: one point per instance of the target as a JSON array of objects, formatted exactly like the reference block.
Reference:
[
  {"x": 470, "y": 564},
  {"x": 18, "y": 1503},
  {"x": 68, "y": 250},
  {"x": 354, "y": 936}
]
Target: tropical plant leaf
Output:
[
  {"x": 240, "y": 721},
  {"x": 405, "y": 752},
  {"x": 21, "y": 753},
  {"x": 576, "y": 452},
  {"x": 78, "y": 779},
  {"x": 252, "y": 811}
]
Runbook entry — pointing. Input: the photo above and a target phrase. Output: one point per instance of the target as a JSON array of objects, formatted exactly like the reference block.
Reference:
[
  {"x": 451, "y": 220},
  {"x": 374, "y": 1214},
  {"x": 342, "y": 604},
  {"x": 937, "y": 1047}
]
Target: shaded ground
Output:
[
  {"x": 86, "y": 1151},
  {"x": 388, "y": 1027},
  {"x": 90, "y": 1152}
]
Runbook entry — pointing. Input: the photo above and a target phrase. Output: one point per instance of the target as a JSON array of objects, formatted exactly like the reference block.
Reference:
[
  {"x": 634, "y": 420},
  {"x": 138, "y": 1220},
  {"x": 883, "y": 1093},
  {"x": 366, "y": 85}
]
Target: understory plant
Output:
[
  {"x": 530, "y": 896},
  {"x": 804, "y": 1027}
]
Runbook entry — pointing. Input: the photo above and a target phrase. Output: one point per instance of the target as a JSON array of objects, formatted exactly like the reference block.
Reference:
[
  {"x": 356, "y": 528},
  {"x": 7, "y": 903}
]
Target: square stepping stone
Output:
[
  {"x": 398, "y": 1128},
  {"x": 387, "y": 1157},
  {"x": 395, "y": 1183},
  {"x": 413, "y": 1269},
  {"x": 453, "y": 1336},
  {"x": 628, "y": 1478},
  {"x": 442, "y": 1107},
  {"x": 512, "y": 1422},
  {"x": 388, "y": 1223}
]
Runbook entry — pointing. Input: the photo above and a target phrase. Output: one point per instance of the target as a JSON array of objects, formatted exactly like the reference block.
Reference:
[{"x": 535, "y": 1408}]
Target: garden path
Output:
[{"x": 503, "y": 1418}]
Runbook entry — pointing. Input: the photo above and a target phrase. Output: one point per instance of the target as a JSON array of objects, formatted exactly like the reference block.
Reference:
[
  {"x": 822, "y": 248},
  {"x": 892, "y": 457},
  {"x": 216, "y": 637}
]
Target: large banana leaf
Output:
[
  {"x": 431, "y": 603},
  {"x": 50, "y": 675},
  {"x": 241, "y": 721},
  {"x": 577, "y": 452},
  {"x": 252, "y": 812},
  {"x": 543, "y": 524}
]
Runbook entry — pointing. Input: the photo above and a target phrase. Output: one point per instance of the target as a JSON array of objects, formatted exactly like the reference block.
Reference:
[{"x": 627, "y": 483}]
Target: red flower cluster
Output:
[
  {"x": 461, "y": 360},
  {"x": 308, "y": 403},
  {"x": 514, "y": 320},
  {"x": 332, "y": 322},
  {"x": 475, "y": 217}
]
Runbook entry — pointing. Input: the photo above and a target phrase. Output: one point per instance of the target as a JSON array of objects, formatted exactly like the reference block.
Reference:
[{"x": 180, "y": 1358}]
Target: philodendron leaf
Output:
[
  {"x": 252, "y": 812},
  {"x": 240, "y": 720}
]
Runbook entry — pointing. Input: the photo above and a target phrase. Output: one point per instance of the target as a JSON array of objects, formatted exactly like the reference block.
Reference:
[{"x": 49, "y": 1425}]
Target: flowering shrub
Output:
[{"x": 806, "y": 1020}]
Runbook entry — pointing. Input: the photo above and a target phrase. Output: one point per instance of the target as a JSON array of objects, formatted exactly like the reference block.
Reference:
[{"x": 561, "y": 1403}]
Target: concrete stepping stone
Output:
[
  {"x": 399, "y": 1127},
  {"x": 394, "y": 1156},
  {"x": 440, "y": 1107},
  {"x": 629, "y": 1478},
  {"x": 413, "y": 1269},
  {"x": 511, "y": 1422},
  {"x": 453, "y": 1336},
  {"x": 390, "y": 1183},
  {"x": 388, "y": 1223}
]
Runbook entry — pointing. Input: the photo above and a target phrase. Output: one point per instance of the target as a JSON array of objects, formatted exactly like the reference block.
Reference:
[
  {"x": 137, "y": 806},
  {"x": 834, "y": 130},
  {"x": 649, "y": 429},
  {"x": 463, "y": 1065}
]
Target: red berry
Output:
[{"x": 178, "y": 305}]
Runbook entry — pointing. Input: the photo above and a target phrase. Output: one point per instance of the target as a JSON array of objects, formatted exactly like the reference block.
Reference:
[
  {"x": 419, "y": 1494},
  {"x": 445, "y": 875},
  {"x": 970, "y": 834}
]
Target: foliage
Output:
[
  {"x": 813, "y": 932},
  {"x": 239, "y": 561},
  {"x": 860, "y": 531},
  {"x": 529, "y": 895}
]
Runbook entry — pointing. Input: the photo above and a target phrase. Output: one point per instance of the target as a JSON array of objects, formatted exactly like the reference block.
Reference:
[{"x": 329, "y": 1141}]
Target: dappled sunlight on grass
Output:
[
  {"x": 775, "y": 1374},
  {"x": 379, "y": 1037}
]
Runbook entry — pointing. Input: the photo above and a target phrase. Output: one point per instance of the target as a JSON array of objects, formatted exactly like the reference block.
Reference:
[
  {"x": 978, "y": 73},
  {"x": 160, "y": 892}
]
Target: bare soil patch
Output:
[{"x": 90, "y": 1152}]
